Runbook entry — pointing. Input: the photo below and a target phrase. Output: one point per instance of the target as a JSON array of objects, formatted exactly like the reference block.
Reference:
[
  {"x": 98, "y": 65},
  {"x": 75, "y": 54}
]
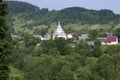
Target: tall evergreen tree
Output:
[{"x": 4, "y": 44}]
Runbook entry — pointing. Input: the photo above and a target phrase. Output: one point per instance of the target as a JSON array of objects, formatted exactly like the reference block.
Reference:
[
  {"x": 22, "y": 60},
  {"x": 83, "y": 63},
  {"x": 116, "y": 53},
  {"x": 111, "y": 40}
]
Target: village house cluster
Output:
[{"x": 60, "y": 33}]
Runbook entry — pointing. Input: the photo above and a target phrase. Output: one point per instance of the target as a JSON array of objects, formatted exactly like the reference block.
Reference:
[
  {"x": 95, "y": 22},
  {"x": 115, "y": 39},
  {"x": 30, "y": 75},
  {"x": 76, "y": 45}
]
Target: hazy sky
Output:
[{"x": 113, "y": 5}]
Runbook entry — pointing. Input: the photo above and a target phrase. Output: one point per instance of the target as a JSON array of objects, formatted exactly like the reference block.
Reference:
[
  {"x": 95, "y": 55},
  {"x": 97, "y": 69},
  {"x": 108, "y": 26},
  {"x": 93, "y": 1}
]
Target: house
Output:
[
  {"x": 83, "y": 37},
  {"x": 110, "y": 40},
  {"x": 15, "y": 37},
  {"x": 69, "y": 36},
  {"x": 72, "y": 45},
  {"x": 46, "y": 37},
  {"x": 90, "y": 43}
]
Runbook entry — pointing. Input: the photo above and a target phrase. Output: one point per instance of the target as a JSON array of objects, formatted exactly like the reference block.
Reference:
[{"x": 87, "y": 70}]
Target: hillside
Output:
[
  {"x": 61, "y": 59},
  {"x": 26, "y": 15}
]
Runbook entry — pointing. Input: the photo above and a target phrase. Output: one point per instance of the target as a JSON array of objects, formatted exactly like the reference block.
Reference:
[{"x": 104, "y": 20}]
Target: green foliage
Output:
[
  {"x": 41, "y": 31},
  {"x": 113, "y": 49},
  {"x": 116, "y": 61},
  {"x": 83, "y": 74},
  {"x": 97, "y": 52},
  {"x": 47, "y": 63},
  {"x": 29, "y": 18},
  {"x": 23, "y": 7},
  {"x": 55, "y": 59},
  {"x": 82, "y": 48},
  {"x": 16, "y": 74},
  {"x": 93, "y": 34},
  {"x": 59, "y": 46},
  {"x": 65, "y": 74},
  {"x": 47, "y": 46},
  {"x": 67, "y": 15},
  {"x": 62, "y": 46},
  {"x": 5, "y": 48},
  {"x": 30, "y": 40},
  {"x": 54, "y": 51},
  {"x": 117, "y": 33},
  {"x": 104, "y": 69},
  {"x": 38, "y": 51},
  {"x": 75, "y": 61}
]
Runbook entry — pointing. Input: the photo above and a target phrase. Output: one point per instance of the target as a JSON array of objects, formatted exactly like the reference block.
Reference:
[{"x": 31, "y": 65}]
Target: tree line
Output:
[
  {"x": 56, "y": 60},
  {"x": 67, "y": 15}
]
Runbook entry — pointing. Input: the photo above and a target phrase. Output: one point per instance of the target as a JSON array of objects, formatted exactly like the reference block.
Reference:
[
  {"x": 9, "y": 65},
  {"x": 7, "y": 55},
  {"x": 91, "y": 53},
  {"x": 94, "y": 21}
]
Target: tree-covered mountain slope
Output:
[{"x": 22, "y": 14}]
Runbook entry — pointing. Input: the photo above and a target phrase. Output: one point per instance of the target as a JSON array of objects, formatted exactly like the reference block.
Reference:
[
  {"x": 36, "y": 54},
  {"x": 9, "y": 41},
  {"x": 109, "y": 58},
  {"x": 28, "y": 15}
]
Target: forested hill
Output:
[
  {"x": 67, "y": 15},
  {"x": 20, "y": 7}
]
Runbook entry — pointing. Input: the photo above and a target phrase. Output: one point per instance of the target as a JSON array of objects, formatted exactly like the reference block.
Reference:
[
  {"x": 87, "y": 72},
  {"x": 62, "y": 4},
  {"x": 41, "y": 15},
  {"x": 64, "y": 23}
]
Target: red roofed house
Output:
[{"x": 110, "y": 40}]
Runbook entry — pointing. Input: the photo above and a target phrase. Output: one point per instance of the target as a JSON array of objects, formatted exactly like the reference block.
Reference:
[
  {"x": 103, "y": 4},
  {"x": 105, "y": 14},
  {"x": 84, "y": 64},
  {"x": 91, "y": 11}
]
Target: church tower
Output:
[{"x": 59, "y": 32}]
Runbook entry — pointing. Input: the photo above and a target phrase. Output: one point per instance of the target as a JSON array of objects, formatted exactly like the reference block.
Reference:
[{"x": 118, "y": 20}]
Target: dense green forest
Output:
[
  {"x": 56, "y": 59},
  {"x": 25, "y": 17},
  {"x": 67, "y": 15},
  {"x": 5, "y": 45}
]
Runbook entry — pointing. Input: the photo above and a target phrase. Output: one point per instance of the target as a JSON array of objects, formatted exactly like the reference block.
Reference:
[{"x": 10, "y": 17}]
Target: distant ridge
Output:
[
  {"x": 20, "y": 7},
  {"x": 67, "y": 15}
]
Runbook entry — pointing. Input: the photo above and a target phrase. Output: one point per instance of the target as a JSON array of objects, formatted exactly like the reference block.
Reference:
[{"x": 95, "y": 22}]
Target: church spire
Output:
[
  {"x": 59, "y": 32},
  {"x": 59, "y": 24}
]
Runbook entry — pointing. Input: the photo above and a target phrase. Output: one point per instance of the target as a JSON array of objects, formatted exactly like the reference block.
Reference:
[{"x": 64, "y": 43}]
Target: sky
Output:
[{"x": 113, "y": 5}]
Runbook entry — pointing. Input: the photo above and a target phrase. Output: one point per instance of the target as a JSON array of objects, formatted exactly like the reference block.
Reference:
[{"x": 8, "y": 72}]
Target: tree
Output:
[
  {"x": 104, "y": 69},
  {"x": 47, "y": 46},
  {"x": 30, "y": 40},
  {"x": 113, "y": 49},
  {"x": 116, "y": 61},
  {"x": 4, "y": 44},
  {"x": 41, "y": 31},
  {"x": 97, "y": 52},
  {"x": 93, "y": 34},
  {"x": 83, "y": 74},
  {"x": 117, "y": 33},
  {"x": 65, "y": 74},
  {"x": 83, "y": 49},
  {"x": 55, "y": 68},
  {"x": 62, "y": 46},
  {"x": 75, "y": 61},
  {"x": 54, "y": 52}
]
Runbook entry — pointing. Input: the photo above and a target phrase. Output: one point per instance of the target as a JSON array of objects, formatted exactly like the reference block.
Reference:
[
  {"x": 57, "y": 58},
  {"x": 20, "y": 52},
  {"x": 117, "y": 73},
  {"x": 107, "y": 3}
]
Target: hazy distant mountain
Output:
[{"x": 29, "y": 12}]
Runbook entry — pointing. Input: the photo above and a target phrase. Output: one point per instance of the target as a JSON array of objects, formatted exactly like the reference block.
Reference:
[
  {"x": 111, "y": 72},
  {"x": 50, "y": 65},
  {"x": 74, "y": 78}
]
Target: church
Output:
[{"x": 59, "y": 32}]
